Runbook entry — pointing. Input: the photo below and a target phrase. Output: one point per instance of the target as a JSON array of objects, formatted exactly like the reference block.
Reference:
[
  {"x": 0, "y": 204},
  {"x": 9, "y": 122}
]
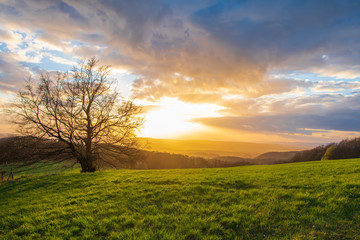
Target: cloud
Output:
[
  {"x": 339, "y": 72},
  {"x": 61, "y": 60},
  {"x": 335, "y": 86},
  {"x": 12, "y": 73},
  {"x": 9, "y": 38}
]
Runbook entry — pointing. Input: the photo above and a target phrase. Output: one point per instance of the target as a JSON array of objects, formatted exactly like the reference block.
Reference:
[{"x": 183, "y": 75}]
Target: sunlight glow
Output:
[{"x": 171, "y": 118}]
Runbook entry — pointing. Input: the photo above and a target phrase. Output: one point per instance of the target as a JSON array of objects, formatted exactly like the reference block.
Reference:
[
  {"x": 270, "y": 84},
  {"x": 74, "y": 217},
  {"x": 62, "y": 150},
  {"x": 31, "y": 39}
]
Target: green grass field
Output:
[
  {"x": 312, "y": 200},
  {"x": 40, "y": 169}
]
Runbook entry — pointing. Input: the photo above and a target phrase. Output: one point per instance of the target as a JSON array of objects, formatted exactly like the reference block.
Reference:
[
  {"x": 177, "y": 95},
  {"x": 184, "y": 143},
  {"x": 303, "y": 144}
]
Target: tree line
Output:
[{"x": 347, "y": 148}]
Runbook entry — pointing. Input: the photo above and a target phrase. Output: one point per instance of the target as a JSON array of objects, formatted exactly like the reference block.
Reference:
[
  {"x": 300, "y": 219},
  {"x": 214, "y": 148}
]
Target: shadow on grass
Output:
[{"x": 49, "y": 184}]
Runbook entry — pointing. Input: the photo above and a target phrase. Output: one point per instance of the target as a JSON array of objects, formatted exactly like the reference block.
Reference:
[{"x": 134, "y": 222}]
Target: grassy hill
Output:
[
  {"x": 311, "y": 200},
  {"x": 211, "y": 149}
]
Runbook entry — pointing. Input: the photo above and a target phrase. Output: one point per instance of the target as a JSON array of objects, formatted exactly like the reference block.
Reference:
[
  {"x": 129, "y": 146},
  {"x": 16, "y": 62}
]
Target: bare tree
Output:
[{"x": 81, "y": 114}]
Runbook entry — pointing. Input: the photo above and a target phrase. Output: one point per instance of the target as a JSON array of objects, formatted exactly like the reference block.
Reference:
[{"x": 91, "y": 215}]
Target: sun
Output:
[{"x": 171, "y": 118}]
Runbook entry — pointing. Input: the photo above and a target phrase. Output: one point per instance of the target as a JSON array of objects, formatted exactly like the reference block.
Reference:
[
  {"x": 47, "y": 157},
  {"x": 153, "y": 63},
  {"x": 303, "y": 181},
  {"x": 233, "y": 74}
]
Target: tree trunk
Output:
[{"x": 87, "y": 165}]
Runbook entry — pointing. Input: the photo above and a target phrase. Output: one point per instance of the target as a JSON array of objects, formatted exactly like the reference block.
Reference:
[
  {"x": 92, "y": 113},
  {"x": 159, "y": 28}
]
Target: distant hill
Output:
[
  {"x": 265, "y": 158},
  {"x": 275, "y": 157},
  {"x": 213, "y": 149}
]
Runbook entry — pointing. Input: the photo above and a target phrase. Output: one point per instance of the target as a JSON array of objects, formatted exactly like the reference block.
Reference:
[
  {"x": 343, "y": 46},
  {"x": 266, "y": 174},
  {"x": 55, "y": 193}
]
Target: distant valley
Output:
[{"x": 213, "y": 149}]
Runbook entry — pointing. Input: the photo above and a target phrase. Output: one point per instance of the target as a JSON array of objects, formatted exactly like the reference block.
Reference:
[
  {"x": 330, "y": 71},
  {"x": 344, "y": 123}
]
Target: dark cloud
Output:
[
  {"x": 298, "y": 123},
  {"x": 70, "y": 11},
  {"x": 280, "y": 29}
]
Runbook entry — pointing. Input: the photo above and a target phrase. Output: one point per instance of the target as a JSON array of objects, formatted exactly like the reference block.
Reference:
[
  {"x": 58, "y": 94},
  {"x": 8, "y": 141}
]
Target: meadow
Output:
[{"x": 309, "y": 200}]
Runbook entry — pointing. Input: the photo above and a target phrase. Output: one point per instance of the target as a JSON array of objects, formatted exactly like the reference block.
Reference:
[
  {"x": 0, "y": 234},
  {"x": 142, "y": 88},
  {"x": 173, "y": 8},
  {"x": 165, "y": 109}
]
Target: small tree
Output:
[
  {"x": 328, "y": 154},
  {"x": 81, "y": 113}
]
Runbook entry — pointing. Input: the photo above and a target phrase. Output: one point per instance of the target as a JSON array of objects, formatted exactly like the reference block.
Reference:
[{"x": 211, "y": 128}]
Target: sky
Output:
[{"x": 258, "y": 71}]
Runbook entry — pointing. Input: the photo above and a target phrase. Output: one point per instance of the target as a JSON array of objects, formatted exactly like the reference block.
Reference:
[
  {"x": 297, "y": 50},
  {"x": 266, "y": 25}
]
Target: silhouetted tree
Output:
[{"x": 81, "y": 113}]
